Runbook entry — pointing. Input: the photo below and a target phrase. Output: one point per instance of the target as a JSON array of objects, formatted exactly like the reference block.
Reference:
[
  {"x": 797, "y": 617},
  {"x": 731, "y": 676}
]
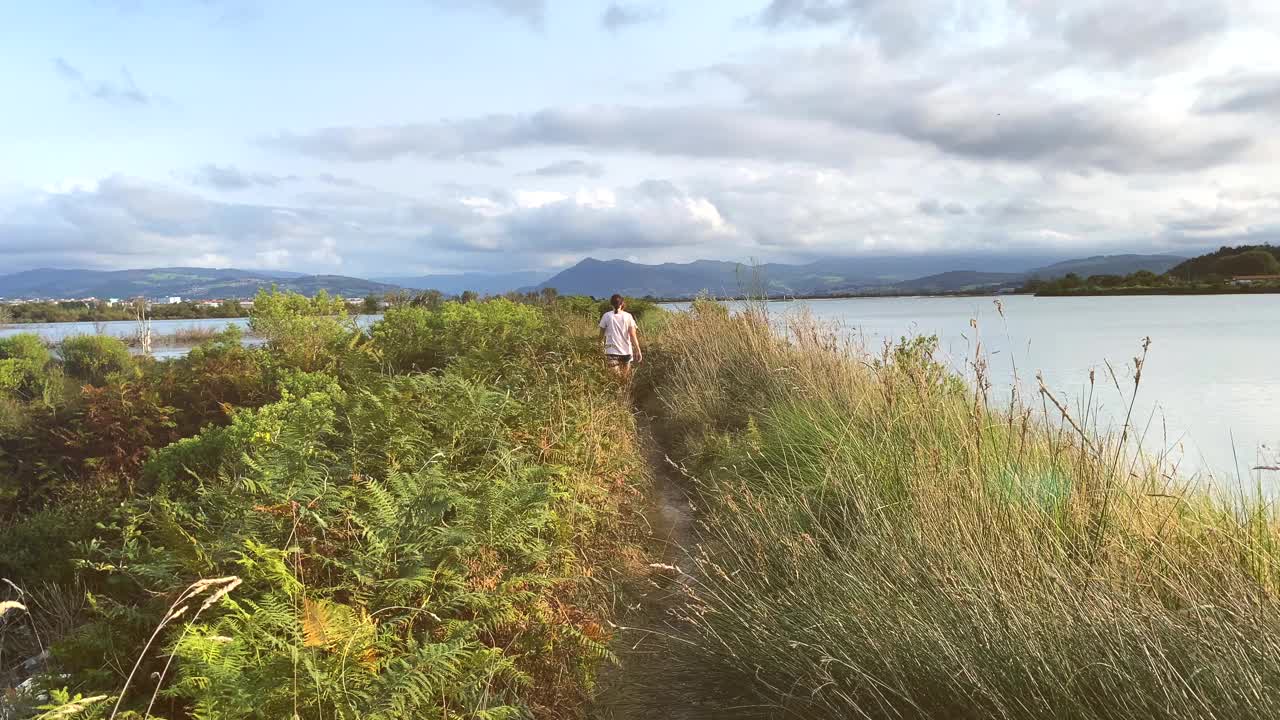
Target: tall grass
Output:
[{"x": 875, "y": 541}]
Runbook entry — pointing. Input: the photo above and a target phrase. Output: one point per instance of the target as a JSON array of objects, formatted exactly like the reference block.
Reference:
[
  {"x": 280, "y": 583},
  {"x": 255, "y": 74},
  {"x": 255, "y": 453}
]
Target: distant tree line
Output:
[
  {"x": 1210, "y": 273},
  {"x": 546, "y": 297},
  {"x": 100, "y": 311},
  {"x": 86, "y": 311}
]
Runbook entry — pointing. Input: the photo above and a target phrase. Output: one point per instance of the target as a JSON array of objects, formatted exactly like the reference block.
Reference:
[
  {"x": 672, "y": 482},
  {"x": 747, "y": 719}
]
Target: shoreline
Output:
[
  {"x": 1131, "y": 291},
  {"x": 1121, "y": 292}
]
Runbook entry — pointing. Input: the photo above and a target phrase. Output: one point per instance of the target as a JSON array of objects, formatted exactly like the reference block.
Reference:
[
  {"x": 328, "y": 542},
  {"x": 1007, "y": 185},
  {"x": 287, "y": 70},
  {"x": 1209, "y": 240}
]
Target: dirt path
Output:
[{"x": 644, "y": 684}]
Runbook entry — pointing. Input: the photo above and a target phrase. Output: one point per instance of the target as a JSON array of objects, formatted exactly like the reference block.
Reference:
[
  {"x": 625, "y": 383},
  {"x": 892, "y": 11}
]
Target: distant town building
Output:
[
  {"x": 1252, "y": 279},
  {"x": 174, "y": 299}
]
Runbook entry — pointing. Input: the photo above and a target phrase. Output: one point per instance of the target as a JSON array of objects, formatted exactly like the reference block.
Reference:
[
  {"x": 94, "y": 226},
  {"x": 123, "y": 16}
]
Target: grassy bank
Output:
[
  {"x": 418, "y": 520},
  {"x": 877, "y": 542}
]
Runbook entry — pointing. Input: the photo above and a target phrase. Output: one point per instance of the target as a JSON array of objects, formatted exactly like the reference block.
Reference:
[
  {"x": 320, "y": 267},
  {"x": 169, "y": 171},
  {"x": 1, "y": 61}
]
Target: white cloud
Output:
[
  {"x": 326, "y": 253},
  {"x": 537, "y": 198},
  {"x": 858, "y": 125}
]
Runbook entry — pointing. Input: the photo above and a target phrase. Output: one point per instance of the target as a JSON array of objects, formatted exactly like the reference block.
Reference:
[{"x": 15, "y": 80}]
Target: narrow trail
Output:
[
  {"x": 644, "y": 683},
  {"x": 670, "y": 514}
]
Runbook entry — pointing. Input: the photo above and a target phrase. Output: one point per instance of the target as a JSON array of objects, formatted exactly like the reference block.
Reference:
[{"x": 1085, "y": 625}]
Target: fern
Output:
[{"x": 405, "y": 544}]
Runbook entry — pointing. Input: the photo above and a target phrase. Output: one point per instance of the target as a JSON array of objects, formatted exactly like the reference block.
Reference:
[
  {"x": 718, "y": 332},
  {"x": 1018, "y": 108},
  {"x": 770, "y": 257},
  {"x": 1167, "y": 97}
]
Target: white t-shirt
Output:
[{"x": 617, "y": 326}]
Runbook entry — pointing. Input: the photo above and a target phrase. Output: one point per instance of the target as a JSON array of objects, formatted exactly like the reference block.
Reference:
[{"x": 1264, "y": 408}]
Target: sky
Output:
[{"x": 398, "y": 137}]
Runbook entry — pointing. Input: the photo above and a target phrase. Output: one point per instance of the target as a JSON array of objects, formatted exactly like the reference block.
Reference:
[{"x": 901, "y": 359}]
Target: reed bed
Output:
[
  {"x": 876, "y": 541},
  {"x": 189, "y": 336}
]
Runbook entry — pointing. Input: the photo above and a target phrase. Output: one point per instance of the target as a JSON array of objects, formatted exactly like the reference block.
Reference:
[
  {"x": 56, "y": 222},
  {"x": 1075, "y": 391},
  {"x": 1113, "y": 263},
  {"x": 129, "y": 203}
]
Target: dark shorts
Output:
[{"x": 618, "y": 360}]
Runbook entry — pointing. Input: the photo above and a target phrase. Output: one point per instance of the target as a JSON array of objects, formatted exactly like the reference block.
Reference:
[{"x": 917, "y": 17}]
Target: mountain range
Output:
[
  {"x": 838, "y": 276},
  {"x": 601, "y": 278},
  {"x": 483, "y": 283}
]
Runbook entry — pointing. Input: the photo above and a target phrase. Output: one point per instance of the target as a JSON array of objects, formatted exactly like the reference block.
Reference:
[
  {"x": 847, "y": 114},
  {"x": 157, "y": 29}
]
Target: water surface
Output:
[
  {"x": 118, "y": 328},
  {"x": 124, "y": 329}
]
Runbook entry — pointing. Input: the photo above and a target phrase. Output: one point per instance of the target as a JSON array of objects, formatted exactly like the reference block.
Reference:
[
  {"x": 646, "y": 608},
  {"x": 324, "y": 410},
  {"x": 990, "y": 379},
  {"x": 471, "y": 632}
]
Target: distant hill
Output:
[
  {"x": 1228, "y": 262},
  {"x": 186, "y": 282},
  {"x": 961, "y": 281},
  {"x": 1109, "y": 265},
  {"x": 602, "y": 278},
  {"x": 834, "y": 276},
  {"x": 483, "y": 283},
  {"x": 823, "y": 277}
]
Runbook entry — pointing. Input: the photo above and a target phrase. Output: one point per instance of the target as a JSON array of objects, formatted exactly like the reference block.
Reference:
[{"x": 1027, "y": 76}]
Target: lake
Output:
[
  {"x": 1210, "y": 386},
  {"x": 128, "y": 328},
  {"x": 118, "y": 328}
]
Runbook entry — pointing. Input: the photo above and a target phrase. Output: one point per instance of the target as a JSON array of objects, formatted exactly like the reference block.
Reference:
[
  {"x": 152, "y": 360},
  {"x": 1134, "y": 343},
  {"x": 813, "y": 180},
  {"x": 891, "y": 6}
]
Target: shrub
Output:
[
  {"x": 114, "y": 432},
  {"x": 485, "y": 335},
  {"x": 38, "y": 545},
  {"x": 639, "y": 307},
  {"x": 303, "y": 333},
  {"x": 427, "y": 545},
  {"x": 405, "y": 338},
  {"x": 488, "y": 334},
  {"x": 24, "y": 362},
  {"x": 92, "y": 358},
  {"x": 403, "y": 542},
  {"x": 214, "y": 379},
  {"x": 578, "y": 305}
]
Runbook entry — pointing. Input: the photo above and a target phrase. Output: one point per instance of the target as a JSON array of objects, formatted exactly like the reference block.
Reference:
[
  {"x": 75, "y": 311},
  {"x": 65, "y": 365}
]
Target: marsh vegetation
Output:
[{"x": 451, "y": 514}]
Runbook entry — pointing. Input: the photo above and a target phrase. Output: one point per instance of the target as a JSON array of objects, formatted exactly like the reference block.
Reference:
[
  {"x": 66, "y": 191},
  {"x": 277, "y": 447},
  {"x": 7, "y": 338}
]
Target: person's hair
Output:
[{"x": 616, "y": 301}]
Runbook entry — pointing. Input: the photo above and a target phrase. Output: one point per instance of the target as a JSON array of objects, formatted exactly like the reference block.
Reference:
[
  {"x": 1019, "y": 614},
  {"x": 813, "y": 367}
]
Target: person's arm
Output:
[{"x": 635, "y": 342}]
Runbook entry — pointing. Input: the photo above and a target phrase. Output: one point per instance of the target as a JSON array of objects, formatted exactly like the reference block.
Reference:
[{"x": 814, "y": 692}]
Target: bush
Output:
[
  {"x": 404, "y": 542},
  {"x": 215, "y": 378},
  {"x": 427, "y": 545},
  {"x": 92, "y": 358},
  {"x": 303, "y": 333},
  {"x": 638, "y": 307},
  {"x": 485, "y": 335},
  {"x": 405, "y": 338},
  {"x": 579, "y": 305},
  {"x": 24, "y": 362}
]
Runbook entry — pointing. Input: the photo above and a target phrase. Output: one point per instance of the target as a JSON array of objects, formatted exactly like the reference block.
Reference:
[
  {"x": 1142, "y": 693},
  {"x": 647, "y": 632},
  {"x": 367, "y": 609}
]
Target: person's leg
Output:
[{"x": 615, "y": 365}]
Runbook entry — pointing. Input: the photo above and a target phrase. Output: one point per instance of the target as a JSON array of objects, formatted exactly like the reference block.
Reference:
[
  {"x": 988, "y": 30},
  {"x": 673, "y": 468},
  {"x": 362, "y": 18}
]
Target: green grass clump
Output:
[{"x": 876, "y": 542}]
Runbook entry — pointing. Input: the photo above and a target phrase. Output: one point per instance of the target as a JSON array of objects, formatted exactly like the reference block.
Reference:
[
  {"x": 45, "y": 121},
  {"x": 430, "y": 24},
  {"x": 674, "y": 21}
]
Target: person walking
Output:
[{"x": 621, "y": 341}]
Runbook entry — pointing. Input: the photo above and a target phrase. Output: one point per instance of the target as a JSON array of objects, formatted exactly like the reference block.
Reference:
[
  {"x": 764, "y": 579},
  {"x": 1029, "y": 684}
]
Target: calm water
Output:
[
  {"x": 119, "y": 328},
  {"x": 128, "y": 328},
  {"x": 1210, "y": 389}
]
